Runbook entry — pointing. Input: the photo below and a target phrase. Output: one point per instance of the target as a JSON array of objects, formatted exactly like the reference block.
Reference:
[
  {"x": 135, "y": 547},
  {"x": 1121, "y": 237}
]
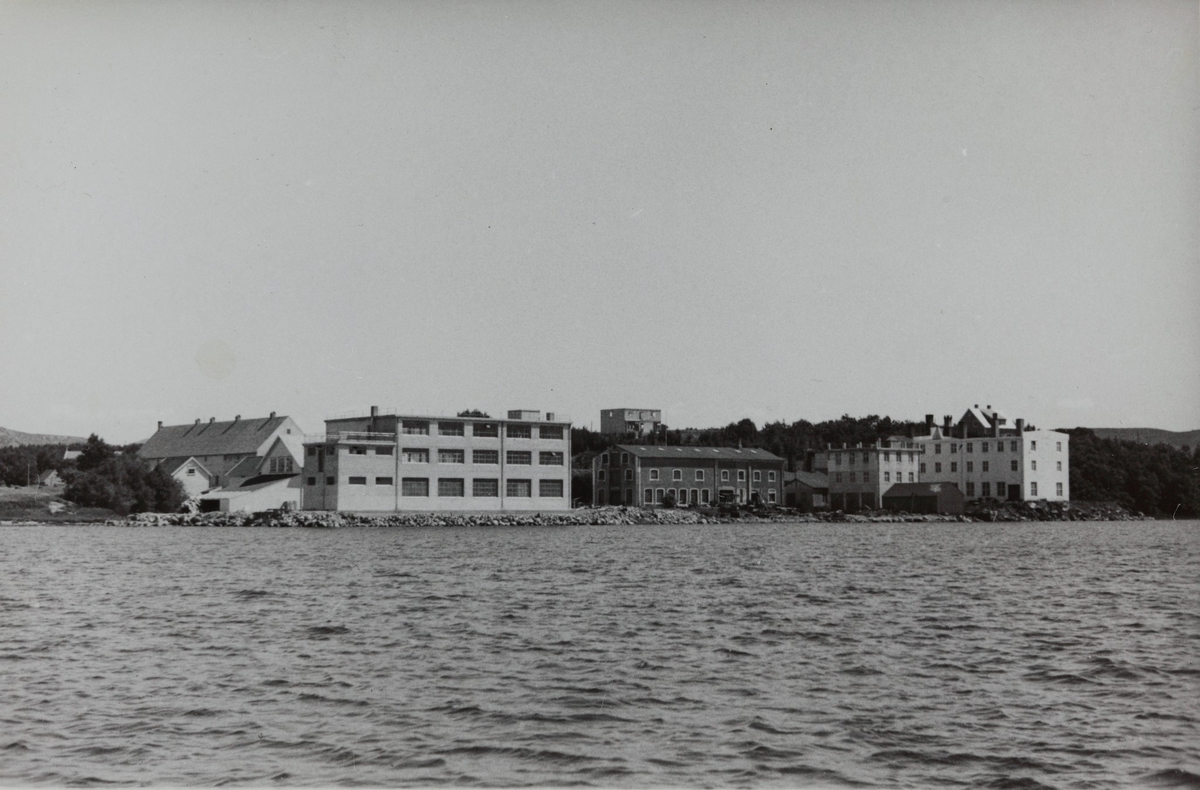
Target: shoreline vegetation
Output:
[{"x": 590, "y": 516}]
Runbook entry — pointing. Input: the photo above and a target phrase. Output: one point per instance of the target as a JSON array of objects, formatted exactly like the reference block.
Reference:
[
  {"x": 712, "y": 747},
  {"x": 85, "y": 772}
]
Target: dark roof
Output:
[
  {"x": 234, "y": 437},
  {"x": 258, "y": 482},
  {"x": 661, "y": 452},
  {"x": 810, "y": 479},
  {"x": 247, "y": 467},
  {"x": 918, "y": 489}
]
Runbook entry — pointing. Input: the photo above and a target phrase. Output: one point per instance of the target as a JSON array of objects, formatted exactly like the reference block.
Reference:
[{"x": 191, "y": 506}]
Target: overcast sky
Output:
[{"x": 779, "y": 210}]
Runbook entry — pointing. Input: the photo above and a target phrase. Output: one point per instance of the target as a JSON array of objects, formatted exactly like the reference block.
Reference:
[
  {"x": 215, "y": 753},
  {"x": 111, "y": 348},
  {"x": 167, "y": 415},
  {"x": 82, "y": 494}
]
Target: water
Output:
[{"x": 1015, "y": 655}]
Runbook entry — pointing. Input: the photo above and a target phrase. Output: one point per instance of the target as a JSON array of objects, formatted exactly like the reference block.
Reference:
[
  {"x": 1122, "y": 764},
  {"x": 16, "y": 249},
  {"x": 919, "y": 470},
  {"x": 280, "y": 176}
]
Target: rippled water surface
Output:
[{"x": 1022, "y": 655}]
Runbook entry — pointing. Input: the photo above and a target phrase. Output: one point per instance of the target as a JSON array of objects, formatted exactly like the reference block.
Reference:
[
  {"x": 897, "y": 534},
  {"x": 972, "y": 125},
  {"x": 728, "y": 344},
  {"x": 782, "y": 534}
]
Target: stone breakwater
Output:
[{"x": 1041, "y": 511}]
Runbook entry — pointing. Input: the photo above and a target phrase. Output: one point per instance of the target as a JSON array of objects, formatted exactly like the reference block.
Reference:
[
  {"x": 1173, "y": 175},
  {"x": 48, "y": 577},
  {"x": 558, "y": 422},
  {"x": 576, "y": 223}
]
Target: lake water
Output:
[{"x": 953, "y": 655}]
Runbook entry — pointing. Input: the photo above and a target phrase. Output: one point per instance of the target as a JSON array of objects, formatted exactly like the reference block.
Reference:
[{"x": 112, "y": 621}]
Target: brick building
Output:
[{"x": 629, "y": 474}]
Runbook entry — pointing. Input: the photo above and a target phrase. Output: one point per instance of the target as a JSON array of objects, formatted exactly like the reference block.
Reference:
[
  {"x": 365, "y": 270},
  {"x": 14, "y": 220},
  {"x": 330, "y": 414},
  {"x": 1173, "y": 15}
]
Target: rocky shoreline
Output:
[{"x": 1006, "y": 512}]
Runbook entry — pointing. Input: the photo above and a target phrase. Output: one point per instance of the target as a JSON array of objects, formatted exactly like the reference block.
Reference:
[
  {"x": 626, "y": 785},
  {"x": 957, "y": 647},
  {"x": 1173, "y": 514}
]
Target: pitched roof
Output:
[
  {"x": 811, "y": 479},
  {"x": 172, "y": 465},
  {"x": 233, "y": 437},
  {"x": 661, "y": 452},
  {"x": 247, "y": 467},
  {"x": 918, "y": 489}
]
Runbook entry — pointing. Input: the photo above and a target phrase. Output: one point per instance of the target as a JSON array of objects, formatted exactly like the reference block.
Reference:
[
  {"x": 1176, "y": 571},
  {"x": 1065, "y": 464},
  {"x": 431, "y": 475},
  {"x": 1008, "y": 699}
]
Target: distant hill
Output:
[
  {"x": 11, "y": 438},
  {"x": 1151, "y": 436}
]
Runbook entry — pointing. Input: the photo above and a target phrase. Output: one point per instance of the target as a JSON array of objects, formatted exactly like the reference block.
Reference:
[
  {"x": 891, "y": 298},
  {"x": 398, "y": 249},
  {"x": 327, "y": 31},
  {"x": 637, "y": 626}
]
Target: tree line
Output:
[
  {"x": 1157, "y": 480},
  {"x": 103, "y": 476}
]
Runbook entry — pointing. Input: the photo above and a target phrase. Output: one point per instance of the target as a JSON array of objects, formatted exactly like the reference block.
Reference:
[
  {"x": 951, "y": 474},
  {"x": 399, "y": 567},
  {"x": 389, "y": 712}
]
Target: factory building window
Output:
[
  {"x": 970, "y": 466},
  {"x": 329, "y": 481},
  {"x": 414, "y": 486},
  {"x": 1033, "y": 465},
  {"x": 550, "y": 488},
  {"x": 519, "y": 488},
  {"x": 985, "y": 466},
  {"x": 485, "y": 456},
  {"x": 602, "y": 475},
  {"x": 922, "y": 471},
  {"x": 1058, "y": 469},
  {"x": 628, "y": 475},
  {"x": 648, "y": 496},
  {"x": 970, "y": 489},
  {"x": 704, "y": 495},
  {"x": 659, "y": 493},
  {"x": 1058, "y": 489},
  {"x": 987, "y": 489},
  {"x": 757, "y": 475},
  {"x": 357, "y": 481},
  {"x": 485, "y": 487},
  {"x": 451, "y": 429},
  {"x": 1033, "y": 489},
  {"x": 953, "y": 448},
  {"x": 452, "y": 456},
  {"x": 699, "y": 474},
  {"x": 954, "y": 466},
  {"x": 771, "y": 476},
  {"x": 358, "y": 450},
  {"x": 385, "y": 481},
  {"x": 741, "y": 475},
  {"x": 887, "y": 477},
  {"x": 415, "y": 427},
  {"x": 771, "y": 496},
  {"x": 624, "y": 458},
  {"x": 1013, "y": 466},
  {"x": 518, "y": 457},
  {"x": 970, "y": 447},
  {"x": 695, "y": 496},
  {"x": 489, "y": 430},
  {"x": 414, "y": 455},
  {"x": 519, "y": 431},
  {"x": 910, "y": 477},
  {"x": 937, "y": 448},
  {"x": 1058, "y": 447},
  {"x": 311, "y": 451},
  {"x": 677, "y": 474},
  {"x": 724, "y": 475},
  {"x": 451, "y": 486},
  {"x": 312, "y": 481},
  {"x": 550, "y": 459},
  {"x": 550, "y": 432},
  {"x": 937, "y": 467},
  {"x": 983, "y": 448},
  {"x": 384, "y": 450},
  {"x": 653, "y": 474}
]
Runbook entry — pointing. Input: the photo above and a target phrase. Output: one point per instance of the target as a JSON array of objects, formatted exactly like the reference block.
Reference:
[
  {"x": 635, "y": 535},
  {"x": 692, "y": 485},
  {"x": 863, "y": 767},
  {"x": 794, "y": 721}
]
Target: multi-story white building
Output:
[
  {"x": 989, "y": 456},
  {"x": 392, "y": 462}
]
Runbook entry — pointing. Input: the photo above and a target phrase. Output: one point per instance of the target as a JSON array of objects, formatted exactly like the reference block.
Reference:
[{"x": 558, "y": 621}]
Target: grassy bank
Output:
[{"x": 45, "y": 506}]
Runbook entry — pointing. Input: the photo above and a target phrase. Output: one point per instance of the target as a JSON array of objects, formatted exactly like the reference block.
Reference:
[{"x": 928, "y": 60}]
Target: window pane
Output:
[
  {"x": 550, "y": 488},
  {"x": 451, "y": 486},
  {"x": 414, "y": 486},
  {"x": 485, "y": 487},
  {"x": 519, "y": 488}
]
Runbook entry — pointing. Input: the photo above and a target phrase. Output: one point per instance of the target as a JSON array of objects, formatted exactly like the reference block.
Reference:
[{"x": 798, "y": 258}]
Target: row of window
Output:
[
  {"x": 482, "y": 429},
  {"x": 677, "y": 475},
  {"x": 415, "y": 455},
  {"x": 698, "y": 496},
  {"x": 986, "y": 466},
  {"x": 986, "y": 489},
  {"x": 457, "y": 486},
  {"x": 866, "y": 477},
  {"x": 852, "y": 458},
  {"x": 1013, "y": 445},
  {"x": 283, "y": 465}
]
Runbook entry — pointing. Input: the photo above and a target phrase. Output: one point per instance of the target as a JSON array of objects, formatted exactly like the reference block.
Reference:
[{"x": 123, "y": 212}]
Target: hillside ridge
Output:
[
  {"x": 1150, "y": 436},
  {"x": 11, "y": 438}
]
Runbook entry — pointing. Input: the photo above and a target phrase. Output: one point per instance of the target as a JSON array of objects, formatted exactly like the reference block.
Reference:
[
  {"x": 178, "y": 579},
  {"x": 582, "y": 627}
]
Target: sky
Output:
[{"x": 775, "y": 210}]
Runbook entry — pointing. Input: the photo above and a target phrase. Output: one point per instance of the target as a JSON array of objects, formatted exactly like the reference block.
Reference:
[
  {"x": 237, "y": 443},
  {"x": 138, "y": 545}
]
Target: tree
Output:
[{"x": 94, "y": 453}]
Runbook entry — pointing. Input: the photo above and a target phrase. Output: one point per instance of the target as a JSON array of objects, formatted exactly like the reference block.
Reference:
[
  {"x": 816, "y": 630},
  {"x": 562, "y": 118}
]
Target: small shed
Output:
[
  {"x": 806, "y": 491},
  {"x": 943, "y": 498},
  {"x": 50, "y": 479}
]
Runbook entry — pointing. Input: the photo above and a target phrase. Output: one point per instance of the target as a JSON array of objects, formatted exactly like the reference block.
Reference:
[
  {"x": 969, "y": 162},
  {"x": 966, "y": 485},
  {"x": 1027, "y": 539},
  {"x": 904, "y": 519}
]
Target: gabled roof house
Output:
[{"x": 220, "y": 447}]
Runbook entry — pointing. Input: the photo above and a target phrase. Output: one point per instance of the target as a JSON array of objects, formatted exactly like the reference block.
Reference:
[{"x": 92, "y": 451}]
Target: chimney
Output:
[
  {"x": 947, "y": 420},
  {"x": 160, "y": 425},
  {"x": 237, "y": 417},
  {"x": 272, "y": 416},
  {"x": 211, "y": 420},
  {"x": 995, "y": 424},
  {"x": 928, "y": 423},
  {"x": 977, "y": 405},
  {"x": 1020, "y": 426},
  {"x": 197, "y": 420}
]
